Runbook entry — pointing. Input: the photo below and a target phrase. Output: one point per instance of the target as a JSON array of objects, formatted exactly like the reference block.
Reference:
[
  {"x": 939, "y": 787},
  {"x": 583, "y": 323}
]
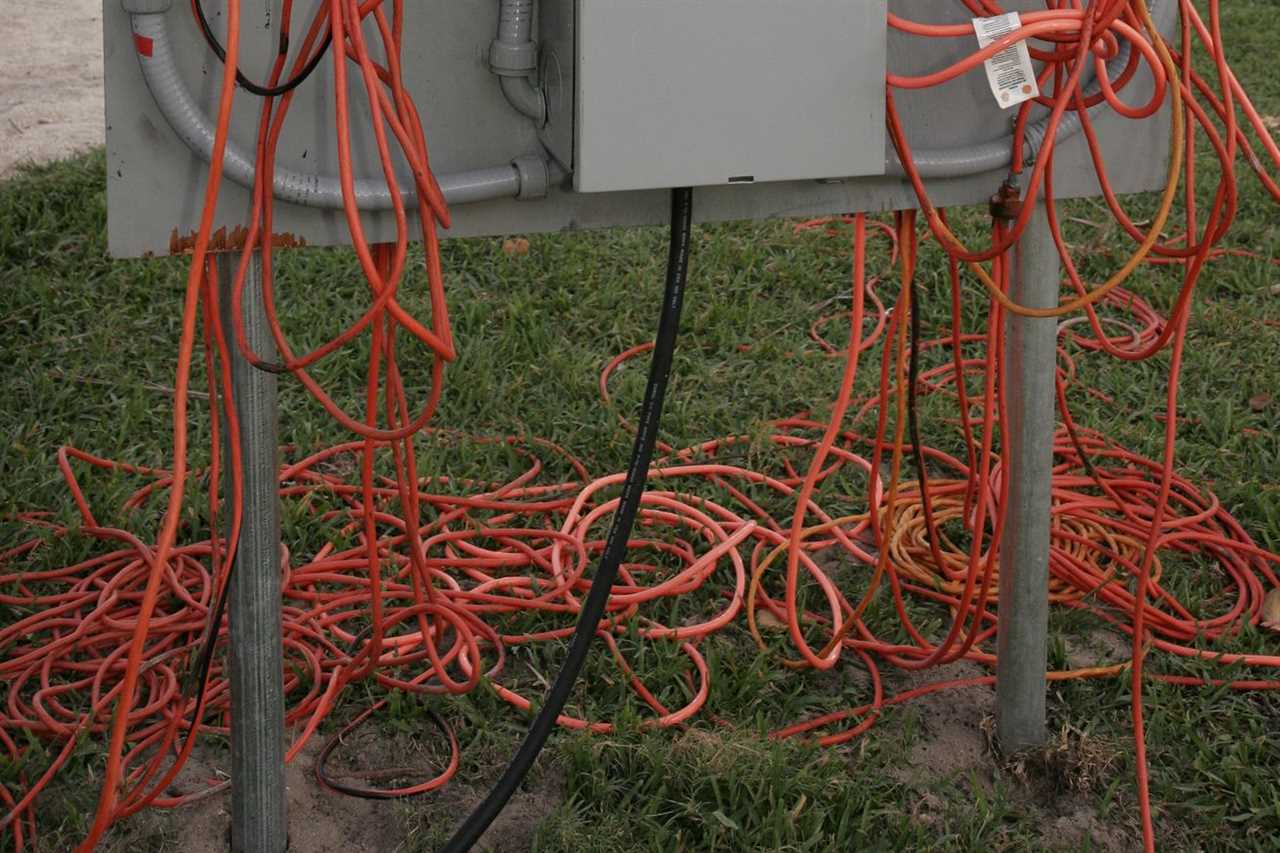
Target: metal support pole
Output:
[
  {"x": 1030, "y": 360},
  {"x": 259, "y": 823}
]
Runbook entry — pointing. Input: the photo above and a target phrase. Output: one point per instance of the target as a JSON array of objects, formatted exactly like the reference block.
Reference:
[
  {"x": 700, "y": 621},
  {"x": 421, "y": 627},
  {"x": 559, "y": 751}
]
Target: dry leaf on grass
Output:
[
  {"x": 1270, "y": 617},
  {"x": 768, "y": 622}
]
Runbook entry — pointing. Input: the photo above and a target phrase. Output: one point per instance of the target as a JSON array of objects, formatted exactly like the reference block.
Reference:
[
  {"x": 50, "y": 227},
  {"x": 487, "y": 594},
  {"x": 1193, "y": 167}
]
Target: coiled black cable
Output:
[
  {"x": 247, "y": 84},
  {"x": 619, "y": 532}
]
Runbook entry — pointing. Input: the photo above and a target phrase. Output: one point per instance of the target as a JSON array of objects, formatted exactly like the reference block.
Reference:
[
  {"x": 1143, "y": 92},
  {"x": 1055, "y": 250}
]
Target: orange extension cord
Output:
[{"x": 418, "y": 603}]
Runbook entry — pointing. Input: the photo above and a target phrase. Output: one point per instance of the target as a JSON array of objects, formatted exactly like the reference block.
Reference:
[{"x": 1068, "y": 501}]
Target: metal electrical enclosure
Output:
[
  {"x": 702, "y": 92},
  {"x": 155, "y": 182}
]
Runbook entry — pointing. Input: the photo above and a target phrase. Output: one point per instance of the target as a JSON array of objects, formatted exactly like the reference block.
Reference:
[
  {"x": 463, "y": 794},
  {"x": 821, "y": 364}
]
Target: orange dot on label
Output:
[{"x": 1026, "y": 88}]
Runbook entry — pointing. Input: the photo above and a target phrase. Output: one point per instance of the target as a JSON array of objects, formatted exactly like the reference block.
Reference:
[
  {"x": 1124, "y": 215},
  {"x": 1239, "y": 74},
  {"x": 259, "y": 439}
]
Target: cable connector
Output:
[
  {"x": 513, "y": 59},
  {"x": 1007, "y": 202},
  {"x": 535, "y": 177}
]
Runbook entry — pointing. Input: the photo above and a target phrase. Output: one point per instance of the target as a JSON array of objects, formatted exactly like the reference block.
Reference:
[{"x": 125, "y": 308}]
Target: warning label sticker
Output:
[{"x": 1009, "y": 72}]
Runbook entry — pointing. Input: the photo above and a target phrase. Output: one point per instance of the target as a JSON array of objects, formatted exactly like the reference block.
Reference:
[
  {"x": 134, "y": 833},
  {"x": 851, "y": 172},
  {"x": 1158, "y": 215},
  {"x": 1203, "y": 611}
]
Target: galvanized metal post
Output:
[
  {"x": 1030, "y": 360},
  {"x": 259, "y": 822}
]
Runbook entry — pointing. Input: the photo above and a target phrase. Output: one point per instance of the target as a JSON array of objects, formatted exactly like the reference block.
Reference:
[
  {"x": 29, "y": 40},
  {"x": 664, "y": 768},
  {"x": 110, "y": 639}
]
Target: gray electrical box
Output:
[
  {"x": 641, "y": 95},
  {"x": 704, "y": 92}
]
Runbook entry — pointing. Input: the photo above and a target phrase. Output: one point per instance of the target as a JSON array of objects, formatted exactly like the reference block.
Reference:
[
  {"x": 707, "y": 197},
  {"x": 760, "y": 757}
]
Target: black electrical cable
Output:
[
  {"x": 247, "y": 84},
  {"x": 619, "y": 532},
  {"x": 197, "y": 679}
]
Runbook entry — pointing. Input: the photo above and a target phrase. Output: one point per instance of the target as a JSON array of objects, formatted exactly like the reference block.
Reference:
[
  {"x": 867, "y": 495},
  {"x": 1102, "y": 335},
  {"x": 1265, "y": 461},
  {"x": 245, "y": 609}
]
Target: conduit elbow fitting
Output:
[
  {"x": 515, "y": 64},
  {"x": 513, "y": 59},
  {"x": 527, "y": 98}
]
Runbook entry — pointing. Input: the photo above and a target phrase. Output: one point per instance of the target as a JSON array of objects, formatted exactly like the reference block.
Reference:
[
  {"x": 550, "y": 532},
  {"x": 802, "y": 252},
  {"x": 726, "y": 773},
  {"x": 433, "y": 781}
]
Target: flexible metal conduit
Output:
[
  {"x": 996, "y": 154},
  {"x": 525, "y": 177}
]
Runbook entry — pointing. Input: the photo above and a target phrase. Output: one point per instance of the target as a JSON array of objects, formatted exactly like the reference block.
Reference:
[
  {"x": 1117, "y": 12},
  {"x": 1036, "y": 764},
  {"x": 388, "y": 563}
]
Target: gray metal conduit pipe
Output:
[
  {"x": 524, "y": 178},
  {"x": 996, "y": 154},
  {"x": 513, "y": 57}
]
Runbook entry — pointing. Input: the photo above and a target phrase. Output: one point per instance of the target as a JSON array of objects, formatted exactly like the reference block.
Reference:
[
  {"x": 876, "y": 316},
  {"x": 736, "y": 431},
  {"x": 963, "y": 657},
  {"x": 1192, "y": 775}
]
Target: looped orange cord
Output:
[{"x": 422, "y": 588}]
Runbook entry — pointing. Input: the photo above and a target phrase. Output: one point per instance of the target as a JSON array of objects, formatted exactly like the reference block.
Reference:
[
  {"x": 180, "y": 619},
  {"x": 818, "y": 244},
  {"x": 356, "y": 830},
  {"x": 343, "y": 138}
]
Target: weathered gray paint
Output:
[
  {"x": 1031, "y": 360},
  {"x": 259, "y": 819}
]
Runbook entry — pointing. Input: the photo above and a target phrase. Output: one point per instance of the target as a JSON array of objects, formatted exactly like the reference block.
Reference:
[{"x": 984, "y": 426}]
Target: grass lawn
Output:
[{"x": 88, "y": 348}]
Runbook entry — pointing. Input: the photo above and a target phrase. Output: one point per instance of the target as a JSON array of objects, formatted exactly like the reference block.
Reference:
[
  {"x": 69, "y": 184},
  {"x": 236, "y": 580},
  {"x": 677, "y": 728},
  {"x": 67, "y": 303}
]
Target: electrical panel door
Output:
[{"x": 704, "y": 92}]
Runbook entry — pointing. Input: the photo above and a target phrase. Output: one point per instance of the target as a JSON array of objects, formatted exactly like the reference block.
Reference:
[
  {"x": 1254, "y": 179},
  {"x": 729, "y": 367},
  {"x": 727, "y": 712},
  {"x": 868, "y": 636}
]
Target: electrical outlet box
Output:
[{"x": 704, "y": 92}]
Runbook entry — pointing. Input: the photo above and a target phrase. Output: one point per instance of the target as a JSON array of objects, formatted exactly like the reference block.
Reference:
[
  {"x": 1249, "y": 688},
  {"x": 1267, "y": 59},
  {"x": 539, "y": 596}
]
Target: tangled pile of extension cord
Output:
[{"x": 418, "y": 603}]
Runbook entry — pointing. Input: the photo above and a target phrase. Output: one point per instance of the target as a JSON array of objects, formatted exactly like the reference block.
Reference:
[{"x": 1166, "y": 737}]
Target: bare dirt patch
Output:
[
  {"x": 950, "y": 744},
  {"x": 50, "y": 80},
  {"x": 1099, "y": 647},
  {"x": 320, "y": 821},
  {"x": 1077, "y": 824},
  {"x": 948, "y": 739}
]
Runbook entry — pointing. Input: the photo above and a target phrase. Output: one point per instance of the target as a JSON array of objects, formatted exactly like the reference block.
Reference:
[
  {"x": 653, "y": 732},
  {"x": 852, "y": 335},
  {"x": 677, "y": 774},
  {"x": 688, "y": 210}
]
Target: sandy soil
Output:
[
  {"x": 321, "y": 821},
  {"x": 951, "y": 743},
  {"x": 50, "y": 80}
]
